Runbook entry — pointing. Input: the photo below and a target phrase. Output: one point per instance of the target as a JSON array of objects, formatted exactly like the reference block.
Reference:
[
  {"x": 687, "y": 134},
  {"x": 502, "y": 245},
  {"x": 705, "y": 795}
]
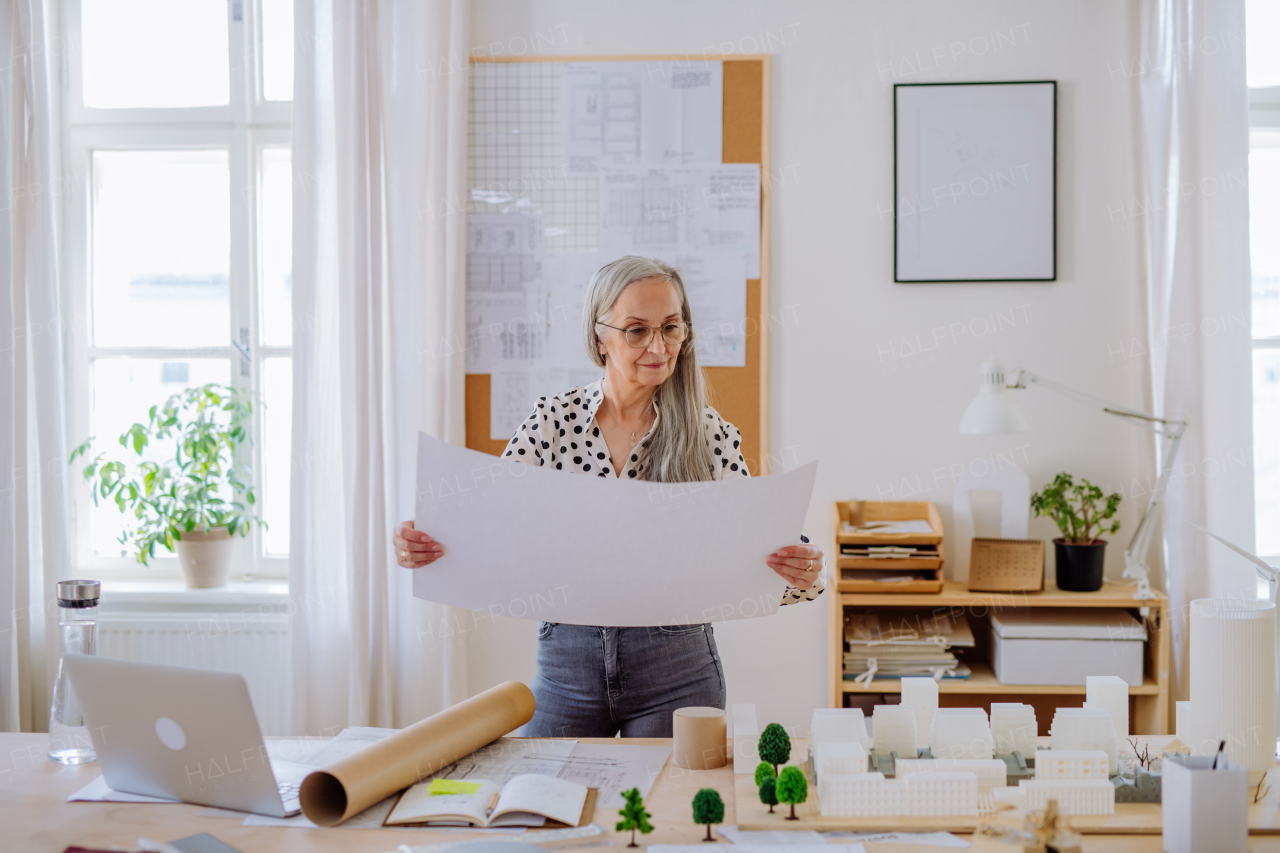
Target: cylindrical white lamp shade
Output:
[
  {"x": 1233, "y": 680},
  {"x": 992, "y": 412}
]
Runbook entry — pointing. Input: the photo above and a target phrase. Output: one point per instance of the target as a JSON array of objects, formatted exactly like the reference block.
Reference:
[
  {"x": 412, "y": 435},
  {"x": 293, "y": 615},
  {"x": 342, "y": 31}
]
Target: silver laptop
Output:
[{"x": 181, "y": 733}]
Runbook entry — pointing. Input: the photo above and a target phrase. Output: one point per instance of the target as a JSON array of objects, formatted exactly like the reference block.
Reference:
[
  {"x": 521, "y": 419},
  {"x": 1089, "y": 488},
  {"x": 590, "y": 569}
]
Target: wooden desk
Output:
[{"x": 35, "y": 817}]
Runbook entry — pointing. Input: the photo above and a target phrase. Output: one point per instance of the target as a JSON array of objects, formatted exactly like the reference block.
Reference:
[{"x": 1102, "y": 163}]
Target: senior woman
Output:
[{"x": 647, "y": 419}]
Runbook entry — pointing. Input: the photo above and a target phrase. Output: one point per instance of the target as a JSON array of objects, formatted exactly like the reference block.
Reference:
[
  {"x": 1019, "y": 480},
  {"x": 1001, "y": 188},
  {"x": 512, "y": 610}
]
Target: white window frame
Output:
[
  {"x": 244, "y": 128},
  {"x": 1264, "y": 132}
]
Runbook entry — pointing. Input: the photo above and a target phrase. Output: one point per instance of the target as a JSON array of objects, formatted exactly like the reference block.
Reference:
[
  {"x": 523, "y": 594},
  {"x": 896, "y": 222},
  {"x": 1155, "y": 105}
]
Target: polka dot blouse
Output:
[{"x": 562, "y": 433}]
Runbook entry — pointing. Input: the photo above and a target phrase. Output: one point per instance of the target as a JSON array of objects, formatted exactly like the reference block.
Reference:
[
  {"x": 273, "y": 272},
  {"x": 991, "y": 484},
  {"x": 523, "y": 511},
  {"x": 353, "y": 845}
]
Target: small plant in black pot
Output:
[{"x": 1083, "y": 514}]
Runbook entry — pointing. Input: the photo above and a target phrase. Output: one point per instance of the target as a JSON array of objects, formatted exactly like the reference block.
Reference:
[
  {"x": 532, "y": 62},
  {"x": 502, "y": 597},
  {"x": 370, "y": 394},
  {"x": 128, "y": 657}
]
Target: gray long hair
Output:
[{"x": 677, "y": 451}]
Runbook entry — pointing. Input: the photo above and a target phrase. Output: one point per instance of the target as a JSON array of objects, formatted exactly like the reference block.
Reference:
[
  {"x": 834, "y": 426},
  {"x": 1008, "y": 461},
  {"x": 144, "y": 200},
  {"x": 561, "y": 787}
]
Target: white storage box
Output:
[{"x": 1064, "y": 645}]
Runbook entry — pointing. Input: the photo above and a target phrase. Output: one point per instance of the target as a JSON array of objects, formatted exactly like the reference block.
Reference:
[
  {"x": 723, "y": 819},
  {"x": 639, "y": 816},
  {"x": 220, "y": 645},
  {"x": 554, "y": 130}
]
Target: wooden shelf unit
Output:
[{"x": 1149, "y": 704}]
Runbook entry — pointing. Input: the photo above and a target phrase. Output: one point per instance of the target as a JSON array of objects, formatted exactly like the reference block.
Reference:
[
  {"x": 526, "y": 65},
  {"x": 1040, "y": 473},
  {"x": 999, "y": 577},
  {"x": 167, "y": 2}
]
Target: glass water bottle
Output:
[{"x": 69, "y": 739}]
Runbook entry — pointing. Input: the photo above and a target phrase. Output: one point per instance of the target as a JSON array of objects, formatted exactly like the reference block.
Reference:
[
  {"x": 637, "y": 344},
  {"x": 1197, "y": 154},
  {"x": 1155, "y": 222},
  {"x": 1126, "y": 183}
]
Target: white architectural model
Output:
[
  {"x": 839, "y": 759},
  {"x": 1110, "y": 693},
  {"x": 1013, "y": 728},
  {"x": 835, "y": 726},
  {"x": 1074, "y": 796},
  {"x": 991, "y": 772},
  {"x": 922, "y": 695},
  {"x": 1182, "y": 721},
  {"x": 1084, "y": 728},
  {"x": 842, "y": 725},
  {"x": 960, "y": 733},
  {"x": 1072, "y": 764},
  {"x": 745, "y": 732},
  {"x": 920, "y": 795},
  {"x": 894, "y": 730}
]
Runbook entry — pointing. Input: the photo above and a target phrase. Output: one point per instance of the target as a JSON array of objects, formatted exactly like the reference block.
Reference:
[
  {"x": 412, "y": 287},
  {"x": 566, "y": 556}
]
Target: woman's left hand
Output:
[{"x": 799, "y": 565}]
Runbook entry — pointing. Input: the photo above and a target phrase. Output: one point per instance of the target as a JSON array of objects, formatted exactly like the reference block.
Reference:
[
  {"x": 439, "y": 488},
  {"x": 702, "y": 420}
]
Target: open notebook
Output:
[{"x": 528, "y": 800}]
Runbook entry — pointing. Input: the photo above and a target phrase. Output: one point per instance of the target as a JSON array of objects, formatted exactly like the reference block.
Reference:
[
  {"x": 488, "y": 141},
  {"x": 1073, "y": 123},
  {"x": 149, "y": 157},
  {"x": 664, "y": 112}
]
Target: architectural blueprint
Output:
[
  {"x": 612, "y": 768},
  {"x": 633, "y": 113}
]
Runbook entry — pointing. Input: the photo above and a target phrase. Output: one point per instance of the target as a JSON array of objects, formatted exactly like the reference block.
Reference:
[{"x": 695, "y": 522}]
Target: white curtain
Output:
[
  {"x": 34, "y": 548},
  {"x": 1193, "y": 144},
  {"x": 379, "y": 160}
]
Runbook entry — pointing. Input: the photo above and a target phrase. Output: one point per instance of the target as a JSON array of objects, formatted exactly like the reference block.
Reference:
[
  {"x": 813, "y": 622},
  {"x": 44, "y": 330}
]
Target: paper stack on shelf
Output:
[{"x": 905, "y": 644}]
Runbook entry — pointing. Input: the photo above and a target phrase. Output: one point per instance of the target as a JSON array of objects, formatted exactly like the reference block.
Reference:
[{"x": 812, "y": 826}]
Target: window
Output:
[
  {"x": 178, "y": 250},
  {"x": 1263, "y": 20}
]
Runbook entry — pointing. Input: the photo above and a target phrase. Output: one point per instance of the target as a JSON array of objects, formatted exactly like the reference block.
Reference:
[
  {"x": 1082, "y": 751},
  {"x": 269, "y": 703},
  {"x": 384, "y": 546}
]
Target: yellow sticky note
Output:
[{"x": 452, "y": 786}]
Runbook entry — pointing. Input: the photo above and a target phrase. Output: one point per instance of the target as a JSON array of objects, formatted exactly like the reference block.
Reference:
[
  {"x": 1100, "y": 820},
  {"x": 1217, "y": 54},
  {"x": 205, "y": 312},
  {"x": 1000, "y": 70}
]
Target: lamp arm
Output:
[
  {"x": 1151, "y": 423},
  {"x": 1135, "y": 556}
]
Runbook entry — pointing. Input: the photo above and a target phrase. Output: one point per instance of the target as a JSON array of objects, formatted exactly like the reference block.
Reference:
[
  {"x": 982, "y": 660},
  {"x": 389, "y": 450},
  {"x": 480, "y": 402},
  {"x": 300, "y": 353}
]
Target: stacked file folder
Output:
[{"x": 906, "y": 643}]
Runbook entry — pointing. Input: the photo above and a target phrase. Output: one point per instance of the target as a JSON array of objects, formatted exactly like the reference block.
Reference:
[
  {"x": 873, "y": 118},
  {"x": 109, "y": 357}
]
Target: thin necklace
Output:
[
  {"x": 633, "y": 432},
  {"x": 633, "y": 438}
]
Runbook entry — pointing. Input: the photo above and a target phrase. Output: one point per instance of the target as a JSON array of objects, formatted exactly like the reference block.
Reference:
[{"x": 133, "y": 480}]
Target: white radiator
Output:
[{"x": 252, "y": 644}]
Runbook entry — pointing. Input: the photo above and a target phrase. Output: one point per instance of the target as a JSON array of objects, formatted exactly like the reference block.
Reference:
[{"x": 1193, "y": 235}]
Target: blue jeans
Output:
[{"x": 595, "y": 682}]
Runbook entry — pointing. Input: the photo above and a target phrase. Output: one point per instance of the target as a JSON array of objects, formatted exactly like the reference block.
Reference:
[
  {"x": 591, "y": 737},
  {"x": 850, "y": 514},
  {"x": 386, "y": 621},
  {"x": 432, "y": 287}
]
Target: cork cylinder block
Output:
[{"x": 700, "y": 738}]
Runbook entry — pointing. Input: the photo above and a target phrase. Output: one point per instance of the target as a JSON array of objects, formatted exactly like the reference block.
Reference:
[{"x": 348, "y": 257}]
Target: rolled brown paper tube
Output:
[
  {"x": 700, "y": 738},
  {"x": 350, "y": 786}
]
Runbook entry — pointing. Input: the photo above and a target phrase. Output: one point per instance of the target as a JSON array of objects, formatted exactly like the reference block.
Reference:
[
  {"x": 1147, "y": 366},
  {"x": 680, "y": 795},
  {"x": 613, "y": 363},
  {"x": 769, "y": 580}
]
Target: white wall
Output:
[{"x": 866, "y": 375}]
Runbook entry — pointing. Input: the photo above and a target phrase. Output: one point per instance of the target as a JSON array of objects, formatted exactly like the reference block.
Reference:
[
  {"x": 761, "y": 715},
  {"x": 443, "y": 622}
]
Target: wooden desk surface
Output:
[{"x": 35, "y": 817}]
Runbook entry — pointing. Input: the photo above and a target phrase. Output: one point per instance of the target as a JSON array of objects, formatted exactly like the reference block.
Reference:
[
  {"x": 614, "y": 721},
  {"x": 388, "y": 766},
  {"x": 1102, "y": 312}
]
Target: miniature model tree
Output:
[
  {"x": 792, "y": 788},
  {"x": 764, "y": 770},
  {"x": 769, "y": 792},
  {"x": 708, "y": 808},
  {"x": 775, "y": 746},
  {"x": 633, "y": 816}
]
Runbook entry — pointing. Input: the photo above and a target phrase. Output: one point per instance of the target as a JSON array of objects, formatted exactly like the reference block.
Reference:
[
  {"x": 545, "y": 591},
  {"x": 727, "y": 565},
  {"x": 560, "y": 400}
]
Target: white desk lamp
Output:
[{"x": 993, "y": 412}]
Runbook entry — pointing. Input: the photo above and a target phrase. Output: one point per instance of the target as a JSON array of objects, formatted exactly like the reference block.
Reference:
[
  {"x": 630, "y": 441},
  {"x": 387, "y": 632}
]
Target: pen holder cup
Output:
[{"x": 1205, "y": 809}]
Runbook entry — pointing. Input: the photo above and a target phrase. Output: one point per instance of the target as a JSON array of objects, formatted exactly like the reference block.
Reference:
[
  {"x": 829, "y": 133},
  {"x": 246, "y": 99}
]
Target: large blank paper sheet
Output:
[{"x": 542, "y": 544}]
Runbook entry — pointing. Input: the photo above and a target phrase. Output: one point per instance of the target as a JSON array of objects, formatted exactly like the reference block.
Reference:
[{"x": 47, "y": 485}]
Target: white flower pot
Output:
[{"x": 205, "y": 557}]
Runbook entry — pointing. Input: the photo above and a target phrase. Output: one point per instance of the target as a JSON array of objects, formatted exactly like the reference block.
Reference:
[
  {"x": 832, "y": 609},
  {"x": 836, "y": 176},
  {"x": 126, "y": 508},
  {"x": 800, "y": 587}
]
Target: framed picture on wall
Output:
[{"x": 975, "y": 181}]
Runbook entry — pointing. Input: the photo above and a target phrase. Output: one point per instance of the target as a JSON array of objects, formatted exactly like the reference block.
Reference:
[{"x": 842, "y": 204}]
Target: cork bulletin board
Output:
[{"x": 524, "y": 90}]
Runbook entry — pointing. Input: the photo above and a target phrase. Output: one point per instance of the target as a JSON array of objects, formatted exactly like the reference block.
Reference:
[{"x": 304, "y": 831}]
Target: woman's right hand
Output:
[{"x": 415, "y": 549}]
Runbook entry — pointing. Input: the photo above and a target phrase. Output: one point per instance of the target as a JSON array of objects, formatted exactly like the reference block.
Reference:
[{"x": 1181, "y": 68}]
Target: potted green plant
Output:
[
  {"x": 195, "y": 502},
  {"x": 1083, "y": 513}
]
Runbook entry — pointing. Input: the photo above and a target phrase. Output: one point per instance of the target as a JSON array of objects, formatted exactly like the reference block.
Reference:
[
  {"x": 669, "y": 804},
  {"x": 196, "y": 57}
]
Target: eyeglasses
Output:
[{"x": 639, "y": 337}]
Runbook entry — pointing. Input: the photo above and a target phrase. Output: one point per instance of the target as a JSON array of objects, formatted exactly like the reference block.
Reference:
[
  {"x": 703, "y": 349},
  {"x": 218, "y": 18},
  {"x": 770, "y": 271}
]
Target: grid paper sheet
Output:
[{"x": 514, "y": 148}]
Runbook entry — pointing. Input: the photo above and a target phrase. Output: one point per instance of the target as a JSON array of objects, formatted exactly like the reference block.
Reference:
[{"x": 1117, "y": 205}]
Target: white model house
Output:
[
  {"x": 1072, "y": 764},
  {"x": 919, "y": 795},
  {"x": 1085, "y": 728},
  {"x": 960, "y": 733},
  {"x": 1013, "y": 728},
  {"x": 991, "y": 772},
  {"x": 839, "y": 759},
  {"x": 831, "y": 732},
  {"x": 922, "y": 695},
  {"x": 1111, "y": 694},
  {"x": 1074, "y": 796},
  {"x": 894, "y": 730},
  {"x": 746, "y": 738}
]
